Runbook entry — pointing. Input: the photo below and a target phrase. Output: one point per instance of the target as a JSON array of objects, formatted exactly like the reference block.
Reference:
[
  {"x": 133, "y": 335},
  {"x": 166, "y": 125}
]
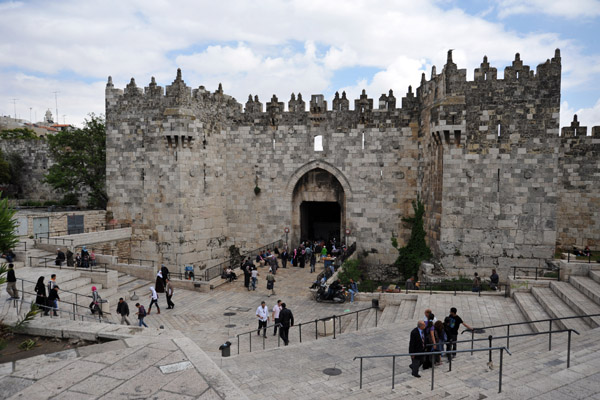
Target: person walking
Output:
[
  {"x": 40, "y": 295},
  {"x": 417, "y": 345},
  {"x": 286, "y": 319},
  {"x": 11, "y": 282},
  {"x": 141, "y": 313},
  {"x": 254, "y": 278},
  {"x": 247, "y": 273},
  {"x": 123, "y": 311},
  {"x": 262, "y": 313},
  {"x": 276, "y": 311},
  {"x": 51, "y": 283},
  {"x": 96, "y": 305},
  {"x": 159, "y": 284},
  {"x": 271, "y": 283},
  {"x": 284, "y": 257},
  {"x": 313, "y": 261},
  {"x": 452, "y": 325},
  {"x": 169, "y": 293},
  {"x": 60, "y": 258},
  {"x": 53, "y": 299},
  {"x": 153, "y": 300}
]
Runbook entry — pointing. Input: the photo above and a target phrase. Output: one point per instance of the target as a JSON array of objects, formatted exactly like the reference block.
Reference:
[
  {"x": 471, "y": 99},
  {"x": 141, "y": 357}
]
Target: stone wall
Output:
[
  {"x": 483, "y": 155},
  {"x": 579, "y": 182},
  {"x": 36, "y": 163},
  {"x": 58, "y": 220}
]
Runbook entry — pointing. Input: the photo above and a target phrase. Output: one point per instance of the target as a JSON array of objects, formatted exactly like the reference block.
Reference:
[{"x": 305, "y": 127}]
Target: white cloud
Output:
[
  {"x": 586, "y": 116},
  {"x": 560, "y": 8}
]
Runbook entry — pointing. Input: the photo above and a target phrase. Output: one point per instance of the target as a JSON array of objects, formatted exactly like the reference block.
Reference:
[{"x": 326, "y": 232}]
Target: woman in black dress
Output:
[{"x": 41, "y": 298}]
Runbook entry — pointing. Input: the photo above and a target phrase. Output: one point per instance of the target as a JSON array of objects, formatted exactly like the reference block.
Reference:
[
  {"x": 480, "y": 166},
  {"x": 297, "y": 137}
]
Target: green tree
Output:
[
  {"x": 4, "y": 169},
  {"x": 416, "y": 250},
  {"x": 18, "y": 133},
  {"x": 80, "y": 157},
  {"x": 8, "y": 227}
]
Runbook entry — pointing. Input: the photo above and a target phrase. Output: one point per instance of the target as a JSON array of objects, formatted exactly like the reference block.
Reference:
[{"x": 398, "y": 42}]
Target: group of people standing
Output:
[
  {"x": 431, "y": 335},
  {"x": 282, "y": 318},
  {"x": 82, "y": 259}
]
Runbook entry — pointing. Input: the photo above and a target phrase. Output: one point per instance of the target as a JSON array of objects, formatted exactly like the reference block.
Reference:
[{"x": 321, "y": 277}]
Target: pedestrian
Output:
[
  {"x": 159, "y": 284},
  {"x": 93, "y": 258},
  {"x": 96, "y": 305},
  {"x": 51, "y": 283},
  {"x": 40, "y": 295},
  {"x": 154, "y": 300},
  {"x": 352, "y": 289},
  {"x": 60, "y": 257},
  {"x": 246, "y": 269},
  {"x": 254, "y": 278},
  {"x": 301, "y": 256},
  {"x": 70, "y": 261},
  {"x": 417, "y": 345},
  {"x": 476, "y": 283},
  {"x": 123, "y": 311},
  {"x": 165, "y": 273},
  {"x": 85, "y": 257},
  {"x": 53, "y": 299},
  {"x": 262, "y": 313},
  {"x": 284, "y": 257},
  {"x": 11, "y": 282},
  {"x": 286, "y": 319},
  {"x": 323, "y": 252},
  {"x": 169, "y": 292},
  {"x": 276, "y": 311},
  {"x": 271, "y": 282},
  {"x": 452, "y": 325},
  {"x": 440, "y": 338},
  {"x": 313, "y": 261},
  {"x": 494, "y": 280},
  {"x": 141, "y": 314}
]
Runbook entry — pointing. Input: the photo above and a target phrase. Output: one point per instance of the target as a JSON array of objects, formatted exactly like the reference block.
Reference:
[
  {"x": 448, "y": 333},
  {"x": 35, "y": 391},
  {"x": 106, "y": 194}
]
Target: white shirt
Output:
[
  {"x": 262, "y": 313},
  {"x": 254, "y": 273},
  {"x": 276, "y": 310},
  {"x": 153, "y": 293}
]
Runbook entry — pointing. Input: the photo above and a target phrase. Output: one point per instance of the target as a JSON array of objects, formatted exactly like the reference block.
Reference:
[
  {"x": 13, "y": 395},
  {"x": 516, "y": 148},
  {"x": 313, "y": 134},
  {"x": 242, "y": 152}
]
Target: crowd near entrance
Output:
[{"x": 320, "y": 220}]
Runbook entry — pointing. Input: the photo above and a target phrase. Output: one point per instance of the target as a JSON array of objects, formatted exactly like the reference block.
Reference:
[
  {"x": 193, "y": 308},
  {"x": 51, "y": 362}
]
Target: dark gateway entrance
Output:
[{"x": 320, "y": 220}]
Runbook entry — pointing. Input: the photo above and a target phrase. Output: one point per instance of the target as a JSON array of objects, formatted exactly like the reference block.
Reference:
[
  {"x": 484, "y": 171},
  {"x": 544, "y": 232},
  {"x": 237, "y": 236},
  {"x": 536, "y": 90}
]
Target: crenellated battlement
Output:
[{"x": 576, "y": 130}]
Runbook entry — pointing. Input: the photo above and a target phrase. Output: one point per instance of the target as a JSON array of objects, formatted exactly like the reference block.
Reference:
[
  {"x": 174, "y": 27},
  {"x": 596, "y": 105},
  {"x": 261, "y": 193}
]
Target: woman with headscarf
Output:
[
  {"x": 160, "y": 283},
  {"x": 165, "y": 274},
  {"x": 41, "y": 299},
  {"x": 154, "y": 299}
]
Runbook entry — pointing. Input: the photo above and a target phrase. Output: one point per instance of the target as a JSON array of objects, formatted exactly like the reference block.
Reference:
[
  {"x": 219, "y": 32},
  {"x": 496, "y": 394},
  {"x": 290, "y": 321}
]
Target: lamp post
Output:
[{"x": 286, "y": 230}]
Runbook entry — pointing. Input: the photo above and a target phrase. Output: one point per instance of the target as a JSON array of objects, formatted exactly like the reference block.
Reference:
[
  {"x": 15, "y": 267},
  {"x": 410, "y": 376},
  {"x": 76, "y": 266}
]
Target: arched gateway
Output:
[{"x": 319, "y": 194}]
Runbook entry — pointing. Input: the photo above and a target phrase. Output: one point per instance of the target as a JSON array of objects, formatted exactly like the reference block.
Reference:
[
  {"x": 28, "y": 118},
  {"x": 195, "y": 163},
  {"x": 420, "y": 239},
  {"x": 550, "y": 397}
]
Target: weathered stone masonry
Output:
[{"x": 484, "y": 155}]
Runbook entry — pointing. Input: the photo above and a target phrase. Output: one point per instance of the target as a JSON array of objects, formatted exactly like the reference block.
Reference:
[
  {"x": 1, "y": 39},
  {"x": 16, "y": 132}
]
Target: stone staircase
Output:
[{"x": 579, "y": 296}]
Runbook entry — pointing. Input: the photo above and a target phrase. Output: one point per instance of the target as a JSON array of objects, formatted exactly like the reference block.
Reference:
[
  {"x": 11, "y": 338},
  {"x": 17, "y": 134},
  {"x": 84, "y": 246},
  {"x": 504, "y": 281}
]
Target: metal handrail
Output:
[
  {"x": 74, "y": 314},
  {"x": 100, "y": 228},
  {"x": 508, "y": 325},
  {"x": 316, "y": 321},
  {"x": 454, "y": 286},
  {"x": 64, "y": 291},
  {"x": 217, "y": 270},
  {"x": 134, "y": 259},
  {"x": 557, "y": 270},
  {"x": 501, "y": 350},
  {"x": 89, "y": 268}
]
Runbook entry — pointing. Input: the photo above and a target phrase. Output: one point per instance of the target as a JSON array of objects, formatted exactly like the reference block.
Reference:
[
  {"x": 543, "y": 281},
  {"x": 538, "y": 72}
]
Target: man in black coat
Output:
[
  {"x": 417, "y": 345},
  {"x": 286, "y": 319}
]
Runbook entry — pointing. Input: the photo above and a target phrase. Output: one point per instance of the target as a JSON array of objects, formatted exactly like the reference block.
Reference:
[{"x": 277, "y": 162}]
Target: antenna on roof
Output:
[
  {"x": 56, "y": 102},
  {"x": 15, "y": 105}
]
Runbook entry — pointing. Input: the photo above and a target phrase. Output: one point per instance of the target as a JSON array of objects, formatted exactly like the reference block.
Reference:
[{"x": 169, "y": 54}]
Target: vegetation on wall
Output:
[
  {"x": 416, "y": 250},
  {"x": 19, "y": 133},
  {"x": 80, "y": 162}
]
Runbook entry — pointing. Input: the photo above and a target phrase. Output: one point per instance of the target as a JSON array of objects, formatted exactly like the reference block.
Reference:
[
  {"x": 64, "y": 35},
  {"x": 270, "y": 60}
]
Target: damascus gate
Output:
[{"x": 196, "y": 171}]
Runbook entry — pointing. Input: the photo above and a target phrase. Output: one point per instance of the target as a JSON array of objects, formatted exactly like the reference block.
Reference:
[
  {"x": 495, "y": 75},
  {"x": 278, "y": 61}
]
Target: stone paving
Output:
[{"x": 187, "y": 351}]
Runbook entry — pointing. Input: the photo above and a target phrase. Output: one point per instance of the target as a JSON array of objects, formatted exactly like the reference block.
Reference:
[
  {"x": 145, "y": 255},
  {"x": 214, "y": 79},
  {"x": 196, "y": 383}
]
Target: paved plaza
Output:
[{"x": 178, "y": 356}]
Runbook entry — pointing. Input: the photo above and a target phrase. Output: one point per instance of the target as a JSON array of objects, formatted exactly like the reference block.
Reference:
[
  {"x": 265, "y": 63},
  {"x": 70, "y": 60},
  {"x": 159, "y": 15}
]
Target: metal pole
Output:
[
  {"x": 450, "y": 361},
  {"x": 357, "y": 320},
  {"x": 500, "y": 372},
  {"x": 250, "y": 336},
  {"x": 550, "y": 337},
  {"x": 569, "y": 350},
  {"x": 472, "y": 338},
  {"x": 317, "y": 332},
  {"x": 300, "y": 332},
  {"x": 393, "y": 371},
  {"x": 238, "y": 346},
  {"x": 361, "y": 373},
  {"x": 490, "y": 352},
  {"x": 508, "y": 336},
  {"x": 264, "y": 341},
  {"x": 334, "y": 326},
  {"x": 375, "y": 317},
  {"x": 432, "y": 370}
]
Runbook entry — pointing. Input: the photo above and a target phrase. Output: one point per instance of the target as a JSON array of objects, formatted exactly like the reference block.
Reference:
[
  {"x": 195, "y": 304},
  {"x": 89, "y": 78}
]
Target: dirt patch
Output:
[{"x": 16, "y": 346}]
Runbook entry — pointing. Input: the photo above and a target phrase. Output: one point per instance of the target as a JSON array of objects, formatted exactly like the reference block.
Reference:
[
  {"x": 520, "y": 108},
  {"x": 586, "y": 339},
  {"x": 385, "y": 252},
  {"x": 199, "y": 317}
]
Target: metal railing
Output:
[
  {"x": 56, "y": 240},
  {"x": 75, "y": 305},
  {"x": 75, "y": 316},
  {"x": 217, "y": 270},
  {"x": 589, "y": 257},
  {"x": 127, "y": 260},
  {"x": 50, "y": 262},
  {"x": 432, "y": 354},
  {"x": 537, "y": 269},
  {"x": 455, "y": 287},
  {"x": 508, "y": 325},
  {"x": 316, "y": 324}
]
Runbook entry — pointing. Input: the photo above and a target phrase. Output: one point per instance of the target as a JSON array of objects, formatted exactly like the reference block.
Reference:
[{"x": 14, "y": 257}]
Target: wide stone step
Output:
[
  {"x": 595, "y": 276},
  {"x": 406, "y": 310},
  {"x": 388, "y": 315},
  {"x": 579, "y": 302},
  {"x": 532, "y": 310},
  {"x": 557, "y": 308},
  {"x": 587, "y": 286}
]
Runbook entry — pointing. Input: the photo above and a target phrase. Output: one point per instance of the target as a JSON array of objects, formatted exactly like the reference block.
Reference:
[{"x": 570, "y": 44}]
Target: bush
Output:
[
  {"x": 350, "y": 270},
  {"x": 416, "y": 250}
]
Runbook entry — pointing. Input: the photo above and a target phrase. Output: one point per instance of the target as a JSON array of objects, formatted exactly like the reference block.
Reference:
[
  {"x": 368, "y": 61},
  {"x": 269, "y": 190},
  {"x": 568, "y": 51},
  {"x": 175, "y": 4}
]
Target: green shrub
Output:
[
  {"x": 350, "y": 270},
  {"x": 416, "y": 250}
]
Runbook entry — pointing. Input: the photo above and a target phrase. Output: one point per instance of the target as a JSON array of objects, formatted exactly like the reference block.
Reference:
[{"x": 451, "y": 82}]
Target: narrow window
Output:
[
  {"x": 499, "y": 130},
  {"x": 447, "y": 137},
  {"x": 485, "y": 76},
  {"x": 517, "y": 74},
  {"x": 273, "y": 143},
  {"x": 319, "y": 143},
  {"x": 498, "y": 180},
  {"x": 363, "y": 140}
]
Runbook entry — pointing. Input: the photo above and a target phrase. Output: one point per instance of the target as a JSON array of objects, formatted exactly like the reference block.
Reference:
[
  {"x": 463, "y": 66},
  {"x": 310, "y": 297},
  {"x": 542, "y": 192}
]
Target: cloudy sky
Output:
[{"x": 282, "y": 46}]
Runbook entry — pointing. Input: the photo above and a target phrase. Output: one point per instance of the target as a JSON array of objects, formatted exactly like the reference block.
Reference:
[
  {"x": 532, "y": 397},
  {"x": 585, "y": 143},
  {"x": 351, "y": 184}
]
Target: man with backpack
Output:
[
  {"x": 141, "y": 314},
  {"x": 452, "y": 324}
]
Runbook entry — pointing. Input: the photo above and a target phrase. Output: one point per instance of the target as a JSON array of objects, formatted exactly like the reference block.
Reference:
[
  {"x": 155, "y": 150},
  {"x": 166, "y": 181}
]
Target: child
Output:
[{"x": 141, "y": 314}]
